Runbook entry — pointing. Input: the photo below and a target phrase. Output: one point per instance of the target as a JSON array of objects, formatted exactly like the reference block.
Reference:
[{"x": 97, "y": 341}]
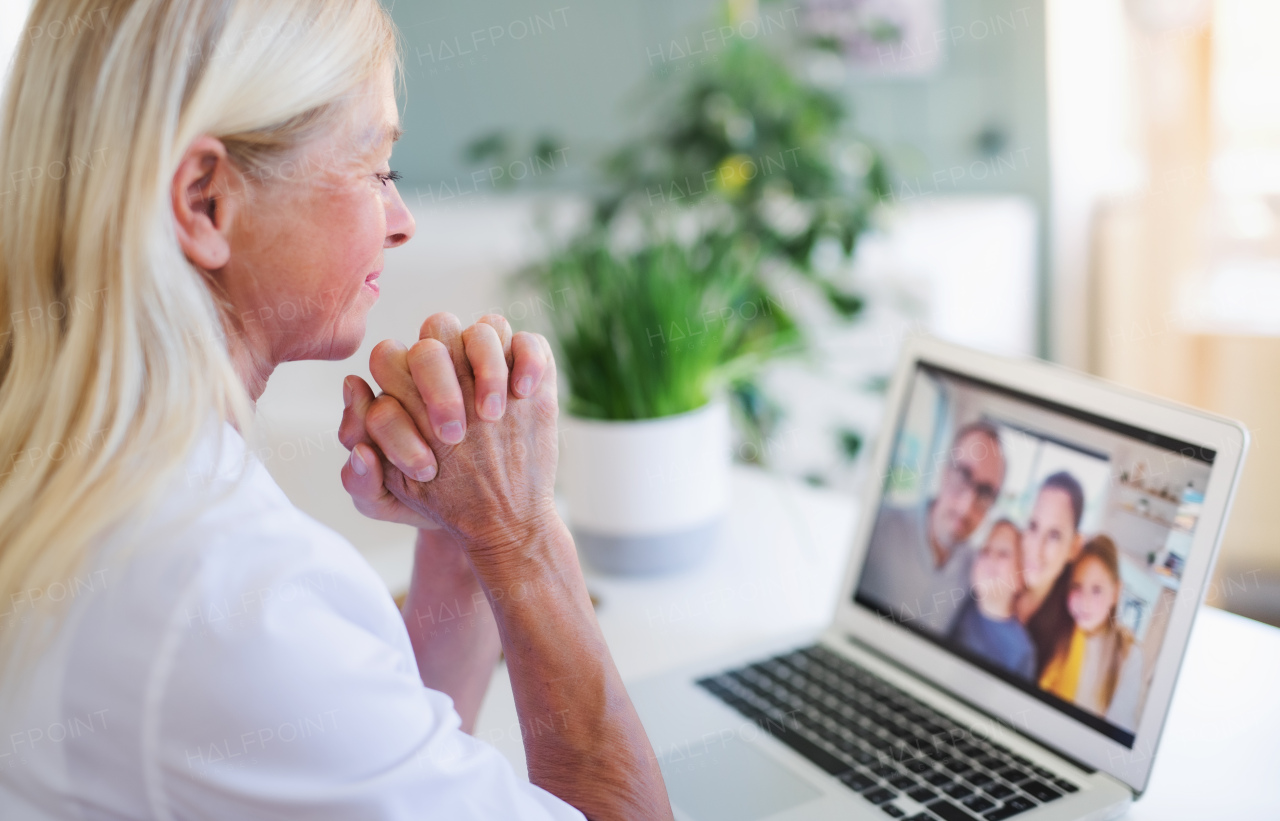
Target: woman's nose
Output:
[{"x": 400, "y": 223}]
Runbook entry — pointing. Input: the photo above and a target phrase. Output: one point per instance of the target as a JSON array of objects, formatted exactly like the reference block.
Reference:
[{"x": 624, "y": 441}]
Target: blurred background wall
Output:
[{"x": 973, "y": 120}]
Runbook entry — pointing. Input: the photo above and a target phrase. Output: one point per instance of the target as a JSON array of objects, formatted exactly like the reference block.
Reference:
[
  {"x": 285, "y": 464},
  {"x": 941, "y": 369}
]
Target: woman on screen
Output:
[
  {"x": 1098, "y": 666},
  {"x": 1050, "y": 542}
]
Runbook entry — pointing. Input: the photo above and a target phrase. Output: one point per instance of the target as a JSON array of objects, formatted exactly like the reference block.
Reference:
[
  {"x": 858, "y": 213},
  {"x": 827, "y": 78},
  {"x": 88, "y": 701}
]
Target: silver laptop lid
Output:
[{"x": 1037, "y": 542}]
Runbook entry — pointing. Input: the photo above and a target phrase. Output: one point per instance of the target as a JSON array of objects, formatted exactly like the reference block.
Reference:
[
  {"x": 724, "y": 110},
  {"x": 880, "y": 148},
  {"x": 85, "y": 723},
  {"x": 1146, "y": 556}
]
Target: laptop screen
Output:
[{"x": 1039, "y": 542}]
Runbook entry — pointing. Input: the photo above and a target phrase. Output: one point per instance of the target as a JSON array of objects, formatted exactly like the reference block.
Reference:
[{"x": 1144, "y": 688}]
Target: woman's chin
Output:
[
  {"x": 342, "y": 345},
  {"x": 348, "y": 346}
]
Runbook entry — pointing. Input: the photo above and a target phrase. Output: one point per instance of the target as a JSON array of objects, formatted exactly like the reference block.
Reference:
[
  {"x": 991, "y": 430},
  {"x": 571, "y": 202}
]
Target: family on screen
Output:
[{"x": 1037, "y": 599}]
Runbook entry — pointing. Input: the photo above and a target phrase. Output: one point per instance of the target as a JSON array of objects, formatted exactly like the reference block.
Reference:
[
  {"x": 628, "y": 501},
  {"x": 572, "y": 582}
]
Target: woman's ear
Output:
[{"x": 204, "y": 200}]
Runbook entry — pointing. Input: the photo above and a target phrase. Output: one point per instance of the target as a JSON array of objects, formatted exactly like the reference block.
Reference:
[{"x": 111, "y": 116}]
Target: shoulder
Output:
[
  {"x": 226, "y": 526},
  {"x": 240, "y": 660},
  {"x": 220, "y": 587},
  {"x": 225, "y": 547},
  {"x": 898, "y": 517},
  {"x": 250, "y": 582},
  {"x": 286, "y": 686},
  {"x": 894, "y": 524}
]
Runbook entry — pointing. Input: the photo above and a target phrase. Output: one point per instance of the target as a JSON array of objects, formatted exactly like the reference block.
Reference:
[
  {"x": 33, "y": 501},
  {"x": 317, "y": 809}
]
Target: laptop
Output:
[{"x": 1030, "y": 556}]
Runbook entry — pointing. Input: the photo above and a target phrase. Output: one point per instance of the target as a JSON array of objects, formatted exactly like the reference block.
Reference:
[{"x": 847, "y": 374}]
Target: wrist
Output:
[
  {"x": 537, "y": 556},
  {"x": 517, "y": 541}
]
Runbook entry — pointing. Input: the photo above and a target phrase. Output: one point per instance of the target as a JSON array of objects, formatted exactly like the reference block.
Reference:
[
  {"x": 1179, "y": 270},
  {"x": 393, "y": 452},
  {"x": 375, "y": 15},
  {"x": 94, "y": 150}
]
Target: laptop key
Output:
[
  {"x": 978, "y": 804},
  {"x": 1012, "y": 807},
  {"x": 998, "y": 791},
  {"x": 939, "y": 779},
  {"x": 892, "y": 811},
  {"x": 1040, "y": 791},
  {"x": 979, "y": 779},
  {"x": 958, "y": 791},
  {"x": 917, "y": 766},
  {"x": 902, "y": 782},
  {"x": 857, "y": 781},
  {"x": 1042, "y": 772},
  {"x": 1064, "y": 785},
  {"x": 922, "y": 795},
  {"x": 947, "y": 811},
  {"x": 1013, "y": 775},
  {"x": 805, "y": 747},
  {"x": 879, "y": 795}
]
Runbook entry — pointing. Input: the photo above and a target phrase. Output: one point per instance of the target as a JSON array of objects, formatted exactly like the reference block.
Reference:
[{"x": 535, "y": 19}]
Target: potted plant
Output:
[
  {"x": 649, "y": 340},
  {"x": 681, "y": 285}
]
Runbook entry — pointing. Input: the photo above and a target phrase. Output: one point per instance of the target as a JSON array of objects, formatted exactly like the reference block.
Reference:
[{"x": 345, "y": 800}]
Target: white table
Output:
[{"x": 777, "y": 571}]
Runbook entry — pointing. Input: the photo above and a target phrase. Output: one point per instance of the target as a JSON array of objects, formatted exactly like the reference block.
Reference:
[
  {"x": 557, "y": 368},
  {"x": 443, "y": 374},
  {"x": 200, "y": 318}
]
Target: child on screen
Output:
[
  {"x": 987, "y": 625},
  {"x": 1098, "y": 666}
]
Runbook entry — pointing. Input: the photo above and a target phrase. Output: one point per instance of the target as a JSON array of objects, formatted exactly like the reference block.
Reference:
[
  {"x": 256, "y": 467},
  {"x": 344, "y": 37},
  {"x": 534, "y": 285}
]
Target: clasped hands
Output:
[{"x": 463, "y": 436}]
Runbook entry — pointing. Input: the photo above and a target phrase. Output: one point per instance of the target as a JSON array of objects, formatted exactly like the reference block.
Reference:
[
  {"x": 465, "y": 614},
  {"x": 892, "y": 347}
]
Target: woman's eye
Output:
[{"x": 390, "y": 176}]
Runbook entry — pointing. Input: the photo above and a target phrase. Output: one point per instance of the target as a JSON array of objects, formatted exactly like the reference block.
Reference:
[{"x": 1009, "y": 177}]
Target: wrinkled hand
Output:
[
  {"x": 383, "y": 437},
  {"x": 496, "y": 469}
]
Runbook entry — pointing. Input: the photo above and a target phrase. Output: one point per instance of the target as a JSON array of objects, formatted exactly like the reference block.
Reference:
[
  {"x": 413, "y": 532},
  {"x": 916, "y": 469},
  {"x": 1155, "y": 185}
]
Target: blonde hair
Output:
[{"x": 114, "y": 356}]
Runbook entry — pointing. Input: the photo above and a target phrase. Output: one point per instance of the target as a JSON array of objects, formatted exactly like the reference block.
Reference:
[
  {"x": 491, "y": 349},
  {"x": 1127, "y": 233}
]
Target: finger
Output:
[
  {"x": 549, "y": 371},
  {"x": 529, "y": 363},
  {"x": 357, "y": 396},
  {"x": 500, "y": 324},
  {"x": 389, "y": 365},
  {"x": 446, "y": 327},
  {"x": 489, "y": 365},
  {"x": 362, "y": 478},
  {"x": 396, "y": 435},
  {"x": 434, "y": 379}
]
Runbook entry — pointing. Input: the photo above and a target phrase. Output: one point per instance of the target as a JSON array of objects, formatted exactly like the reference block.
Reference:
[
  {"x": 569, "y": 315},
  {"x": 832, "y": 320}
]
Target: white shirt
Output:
[{"x": 227, "y": 657}]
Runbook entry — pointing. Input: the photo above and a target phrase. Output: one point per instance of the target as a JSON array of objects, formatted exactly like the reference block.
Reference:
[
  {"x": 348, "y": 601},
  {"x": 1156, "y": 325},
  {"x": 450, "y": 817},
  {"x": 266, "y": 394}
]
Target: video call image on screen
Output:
[{"x": 1038, "y": 542}]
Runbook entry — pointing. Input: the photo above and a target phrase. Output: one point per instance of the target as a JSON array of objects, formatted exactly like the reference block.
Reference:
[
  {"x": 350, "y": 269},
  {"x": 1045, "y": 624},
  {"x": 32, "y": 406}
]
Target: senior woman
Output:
[{"x": 200, "y": 194}]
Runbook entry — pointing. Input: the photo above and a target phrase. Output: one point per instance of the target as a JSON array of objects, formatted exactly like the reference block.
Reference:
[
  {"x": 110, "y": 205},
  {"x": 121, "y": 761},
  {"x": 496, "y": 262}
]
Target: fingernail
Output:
[
  {"x": 346, "y": 394},
  {"x": 357, "y": 464},
  {"x": 493, "y": 406},
  {"x": 426, "y": 474},
  {"x": 524, "y": 386},
  {"x": 451, "y": 432}
]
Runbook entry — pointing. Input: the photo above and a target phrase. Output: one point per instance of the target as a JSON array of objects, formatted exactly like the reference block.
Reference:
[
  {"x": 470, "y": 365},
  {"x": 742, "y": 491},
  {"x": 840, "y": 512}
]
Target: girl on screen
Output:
[
  {"x": 1098, "y": 666},
  {"x": 987, "y": 625}
]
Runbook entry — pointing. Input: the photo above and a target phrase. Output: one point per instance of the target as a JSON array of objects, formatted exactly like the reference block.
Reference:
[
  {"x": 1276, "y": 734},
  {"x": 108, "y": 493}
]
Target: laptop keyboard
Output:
[{"x": 893, "y": 749}]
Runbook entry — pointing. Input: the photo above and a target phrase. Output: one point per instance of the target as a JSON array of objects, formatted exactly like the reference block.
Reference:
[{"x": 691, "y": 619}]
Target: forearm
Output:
[
  {"x": 451, "y": 625},
  {"x": 583, "y": 740}
]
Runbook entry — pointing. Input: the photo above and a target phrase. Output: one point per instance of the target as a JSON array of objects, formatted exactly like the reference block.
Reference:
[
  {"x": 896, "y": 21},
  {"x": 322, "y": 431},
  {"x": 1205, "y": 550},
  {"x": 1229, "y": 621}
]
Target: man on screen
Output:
[{"x": 918, "y": 561}]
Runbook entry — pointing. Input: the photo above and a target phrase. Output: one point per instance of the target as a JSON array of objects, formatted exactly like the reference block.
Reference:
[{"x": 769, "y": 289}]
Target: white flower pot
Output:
[{"x": 646, "y": 496}]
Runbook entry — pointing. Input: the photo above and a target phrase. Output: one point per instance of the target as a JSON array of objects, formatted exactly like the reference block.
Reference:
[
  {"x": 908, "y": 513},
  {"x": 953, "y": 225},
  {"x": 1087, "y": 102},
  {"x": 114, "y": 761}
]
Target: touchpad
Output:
[{"x": 730, "y": 780}]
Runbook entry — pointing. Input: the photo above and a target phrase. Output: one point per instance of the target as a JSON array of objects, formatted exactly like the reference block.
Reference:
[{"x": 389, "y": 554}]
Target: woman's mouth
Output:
[{"x": 371, "y": 281}]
